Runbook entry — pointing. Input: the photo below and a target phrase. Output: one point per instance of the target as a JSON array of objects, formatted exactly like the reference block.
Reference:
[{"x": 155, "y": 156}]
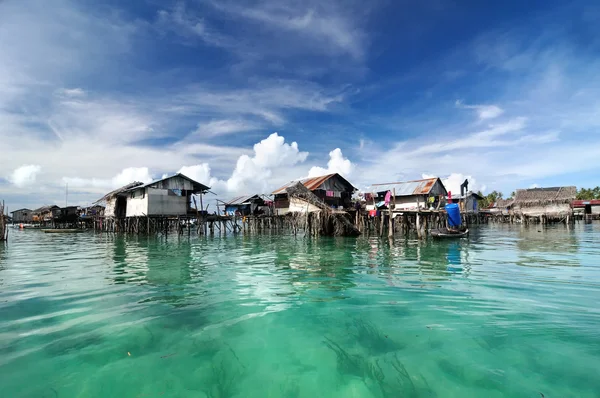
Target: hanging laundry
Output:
[
  {"x": 388, "y": 197},
  {"x": 329, "y": 194}
]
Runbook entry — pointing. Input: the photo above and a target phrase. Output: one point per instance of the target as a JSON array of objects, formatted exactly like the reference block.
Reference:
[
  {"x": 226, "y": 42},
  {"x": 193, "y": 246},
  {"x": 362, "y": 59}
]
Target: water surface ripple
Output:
[{"x": 511, "y": 312}]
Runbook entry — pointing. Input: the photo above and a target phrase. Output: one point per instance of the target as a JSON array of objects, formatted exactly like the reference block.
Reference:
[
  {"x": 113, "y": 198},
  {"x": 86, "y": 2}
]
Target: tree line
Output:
[
  {"x": 588, "y": 194},
  {"x": 492, "y": 197}
]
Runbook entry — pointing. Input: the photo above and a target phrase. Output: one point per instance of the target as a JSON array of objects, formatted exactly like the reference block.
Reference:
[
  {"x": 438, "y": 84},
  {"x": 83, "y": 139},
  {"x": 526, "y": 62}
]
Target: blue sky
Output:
[{"x": 245, "y": 96}]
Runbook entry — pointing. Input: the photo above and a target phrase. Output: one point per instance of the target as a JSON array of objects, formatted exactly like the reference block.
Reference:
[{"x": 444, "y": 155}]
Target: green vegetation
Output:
[
  {"x": 588, "y": 194},
  {"x": 490, "y": 198}
]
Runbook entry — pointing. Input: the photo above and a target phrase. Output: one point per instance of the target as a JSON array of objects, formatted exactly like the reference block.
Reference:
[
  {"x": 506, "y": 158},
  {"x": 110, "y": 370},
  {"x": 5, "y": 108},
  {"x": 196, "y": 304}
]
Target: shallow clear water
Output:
[{"x": 509, "y": 313}]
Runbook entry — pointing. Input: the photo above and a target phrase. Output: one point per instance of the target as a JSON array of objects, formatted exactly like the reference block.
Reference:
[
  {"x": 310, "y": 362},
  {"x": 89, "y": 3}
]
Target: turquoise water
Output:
[{"x": 509, "y": 313}]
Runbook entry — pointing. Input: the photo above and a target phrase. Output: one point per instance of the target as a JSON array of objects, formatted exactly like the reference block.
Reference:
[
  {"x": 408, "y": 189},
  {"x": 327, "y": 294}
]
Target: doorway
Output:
[{"x": 121, "y": 207}]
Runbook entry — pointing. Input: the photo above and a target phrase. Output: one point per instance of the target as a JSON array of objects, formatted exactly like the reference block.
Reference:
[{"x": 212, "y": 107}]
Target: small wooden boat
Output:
[
  {"x": 63, "y": 231},
  {"x": 448, "y": 233}
]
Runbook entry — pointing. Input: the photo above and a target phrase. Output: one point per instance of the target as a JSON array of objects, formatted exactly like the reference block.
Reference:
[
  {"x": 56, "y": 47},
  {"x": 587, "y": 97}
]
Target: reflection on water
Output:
[
  {"x": 541, "y": 246},
  {"x": 495, "y": 315}
]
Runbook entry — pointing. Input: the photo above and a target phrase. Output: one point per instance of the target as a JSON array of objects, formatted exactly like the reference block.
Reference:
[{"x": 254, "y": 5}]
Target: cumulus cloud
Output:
[
  {"x": 484, "y": 112},
  {"x": 252, "y": 173},
  {"x": 337, "y": 164},
  {"x": 131, "y": 174},
  {"x": 272, "y": 152},
  {"x": 25, "y": 175},
  {"x": 199, "y": 172}
]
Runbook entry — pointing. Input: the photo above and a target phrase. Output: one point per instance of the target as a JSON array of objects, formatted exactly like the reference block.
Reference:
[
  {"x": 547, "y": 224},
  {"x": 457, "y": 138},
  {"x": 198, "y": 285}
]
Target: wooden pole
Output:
[
  {"x": 390, "y": 221},
  {"x": 197, "y": 214},
  {"x": 203, "y": 215},
  {"x": 3, "y": 226}
]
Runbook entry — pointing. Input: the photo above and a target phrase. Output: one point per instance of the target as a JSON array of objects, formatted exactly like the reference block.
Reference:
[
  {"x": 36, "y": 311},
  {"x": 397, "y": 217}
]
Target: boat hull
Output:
[
  {"x": 62, "y": 231},
  {"x": 444, "y": 233}
]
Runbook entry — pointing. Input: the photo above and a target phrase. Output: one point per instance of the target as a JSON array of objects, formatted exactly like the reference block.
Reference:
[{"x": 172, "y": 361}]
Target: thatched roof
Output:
[
  {"x": 545, "y": 196},
  {"x": 503, "y": 203}
]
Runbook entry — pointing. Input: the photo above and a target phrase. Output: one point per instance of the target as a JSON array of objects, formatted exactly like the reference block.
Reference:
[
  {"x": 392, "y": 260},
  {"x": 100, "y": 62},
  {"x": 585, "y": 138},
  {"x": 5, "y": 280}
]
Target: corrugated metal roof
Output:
[
  {"x": 197, "y": 185},
  {"x": 240, "y": 199},
  {"x": 583, "y": 203},
  {"x": 474, "y": 194},
  {"x": 14, "y": 211},
  {"x": 310, "y": 183},
  {"x": 407, "y": 188},
  {"x": 119, "y": 191}
]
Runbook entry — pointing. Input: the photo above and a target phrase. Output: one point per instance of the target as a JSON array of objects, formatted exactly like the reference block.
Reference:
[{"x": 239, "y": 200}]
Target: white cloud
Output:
[
  {"x": 199, "y": 172},
  {"x": 224, "y": 127},
  {"x": 455, "y": 180},
  {"x": 287, "y": 27},
  {"x": 511, "y": 130},
  {"x": 131, "y": 174},
  {"x": 253, "y": 173},
  {"x": 183, "y": 22},
  {"x": 25, "y": 175},
  {"x": 266, "y": 102},
  {"x": 124, "y": 177},
  {"x": 337, "y": 164},
  {"x": 71, "y": 92},
  {"x": 269, "y": 154},
  {"x": 484, "y": 112}
]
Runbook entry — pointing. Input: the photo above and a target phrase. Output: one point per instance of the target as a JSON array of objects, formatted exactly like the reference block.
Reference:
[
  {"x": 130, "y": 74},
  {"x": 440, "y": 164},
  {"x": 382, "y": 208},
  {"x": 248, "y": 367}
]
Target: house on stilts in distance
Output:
[
  {"x": 544, "y": 204},
  {"x": 24, "y": 216},
  {"x": 248, "y": 205},
  {"x": 170, "y": 197},
  {"x": 468, "y": 202},
  {"x": 586, "y": 209},
  {"x": 501, "y": 208},
  {"x": 332, "y": 189},
  {"x": 409, "y": 195}
]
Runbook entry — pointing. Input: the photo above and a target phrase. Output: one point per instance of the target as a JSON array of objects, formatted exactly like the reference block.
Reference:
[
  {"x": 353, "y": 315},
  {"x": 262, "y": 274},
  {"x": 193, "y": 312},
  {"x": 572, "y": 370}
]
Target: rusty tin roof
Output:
[
  {"x": 310, "y": 183},
  {"x": 407, "y": 188}
]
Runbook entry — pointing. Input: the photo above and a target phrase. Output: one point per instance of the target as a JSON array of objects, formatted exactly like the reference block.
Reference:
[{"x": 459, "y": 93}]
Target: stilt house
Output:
[
  {"x": 553, "y": 202},
  {"x": 333, "y": 189},
  {"x": 409, "y": 195},
  {"x": 22, "y": 216},
  {"x": 501, "y": 206},
  {"x": 248, "y": 204},
  {"x": 44, "y": 214},
  {"x": 469, "y": 202},
  {"x": 587, "y": 208},
  {"x": 171, "y": 196}
]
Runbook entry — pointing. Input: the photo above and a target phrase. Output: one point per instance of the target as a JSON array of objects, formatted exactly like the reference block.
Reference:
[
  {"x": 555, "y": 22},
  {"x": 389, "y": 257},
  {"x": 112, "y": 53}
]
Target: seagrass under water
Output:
[{"x": 510, "y": 312}]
